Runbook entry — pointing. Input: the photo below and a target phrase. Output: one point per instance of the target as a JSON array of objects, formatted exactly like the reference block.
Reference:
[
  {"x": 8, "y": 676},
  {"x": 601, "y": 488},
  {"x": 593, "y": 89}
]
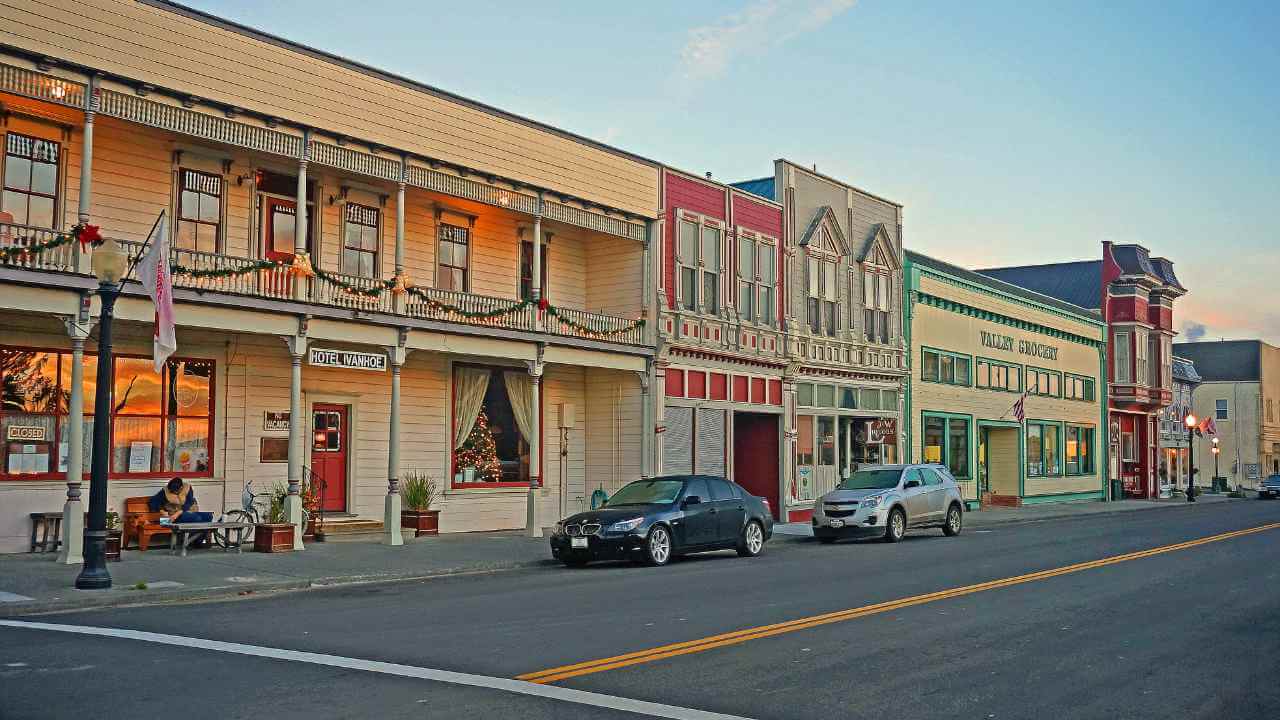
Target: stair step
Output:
[{"x": 346, "y": 527}]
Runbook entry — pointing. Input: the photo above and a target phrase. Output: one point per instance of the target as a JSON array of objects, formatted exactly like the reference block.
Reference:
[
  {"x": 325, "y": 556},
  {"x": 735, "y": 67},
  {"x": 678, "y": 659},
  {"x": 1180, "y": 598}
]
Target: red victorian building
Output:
[{"x": 1135, "y": 294}]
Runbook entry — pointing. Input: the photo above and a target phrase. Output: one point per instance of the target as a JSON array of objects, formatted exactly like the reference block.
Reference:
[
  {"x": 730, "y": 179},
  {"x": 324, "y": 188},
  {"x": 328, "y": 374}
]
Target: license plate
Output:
[
  {"x": 837, "y": 523},
  {"x": 578, "y": 542}
]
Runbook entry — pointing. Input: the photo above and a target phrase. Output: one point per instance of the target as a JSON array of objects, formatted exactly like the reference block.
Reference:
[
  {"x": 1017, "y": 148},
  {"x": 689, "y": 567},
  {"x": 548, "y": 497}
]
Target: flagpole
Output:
[{"x": 142, "y": 251}]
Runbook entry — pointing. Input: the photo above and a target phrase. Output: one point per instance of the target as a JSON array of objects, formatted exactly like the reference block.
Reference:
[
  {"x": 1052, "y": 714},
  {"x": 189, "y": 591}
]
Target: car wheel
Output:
[
  {"x": 826, "y": 539},
  {"x": 751, "y": 543},
  {"x": 574, "y": 562},
  {"x": 896, "y": 526},
  {"x": 955, "y": 521},
  {"x": 657, "y": 548}
]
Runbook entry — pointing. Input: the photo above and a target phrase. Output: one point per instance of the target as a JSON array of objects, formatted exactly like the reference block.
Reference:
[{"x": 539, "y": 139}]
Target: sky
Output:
[{"x": 1012, "y": 132}]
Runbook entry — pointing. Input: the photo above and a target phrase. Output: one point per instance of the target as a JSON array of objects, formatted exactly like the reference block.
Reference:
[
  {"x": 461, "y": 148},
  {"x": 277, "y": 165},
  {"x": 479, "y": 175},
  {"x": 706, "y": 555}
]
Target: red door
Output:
[
  {"x": 329, "y": 445},
  {"x": 279, "y": 230},
  {"x": 755, "y": 455}
]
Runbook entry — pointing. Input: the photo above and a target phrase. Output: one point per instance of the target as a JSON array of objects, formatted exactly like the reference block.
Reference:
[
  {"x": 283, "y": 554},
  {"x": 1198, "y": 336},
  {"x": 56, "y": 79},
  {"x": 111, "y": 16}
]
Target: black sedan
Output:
[
  {"x": 655, "y": 520},
  {"x": 1269, "y": 488}
]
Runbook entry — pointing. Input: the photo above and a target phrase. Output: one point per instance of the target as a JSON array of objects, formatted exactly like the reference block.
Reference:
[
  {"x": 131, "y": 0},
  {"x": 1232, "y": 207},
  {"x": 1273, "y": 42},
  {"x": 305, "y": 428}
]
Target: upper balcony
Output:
[{"x": 232, "y": 193}]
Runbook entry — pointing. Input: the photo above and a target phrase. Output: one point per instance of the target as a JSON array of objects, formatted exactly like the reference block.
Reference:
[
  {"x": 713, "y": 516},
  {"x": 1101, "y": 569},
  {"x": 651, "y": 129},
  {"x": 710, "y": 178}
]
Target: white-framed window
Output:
[
  {"x": 877, "y": 297},
  {"x": 1121, "y": 366},
  {"x": 1220, "y": 411},
  {"x": 757, "y": 277},
  {"x": 823, "y": 292},
  {"x": 1166, "y": 362},
  {"x": 199, "y": 220},
  {"x": 360, "y": 225},
  {"x": 1140, "y": 370},
  {"x": 699, "y": 253}
]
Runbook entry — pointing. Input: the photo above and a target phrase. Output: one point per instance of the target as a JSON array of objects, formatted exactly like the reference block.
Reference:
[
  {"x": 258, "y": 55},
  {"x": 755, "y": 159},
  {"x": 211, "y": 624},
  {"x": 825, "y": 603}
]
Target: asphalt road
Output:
[{"x": 1185, "y": 633}]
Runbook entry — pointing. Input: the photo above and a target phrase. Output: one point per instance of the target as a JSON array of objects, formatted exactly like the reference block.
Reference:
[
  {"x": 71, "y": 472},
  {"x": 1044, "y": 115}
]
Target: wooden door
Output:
[
  {"x": 330, "y": 440},
  {"x": 279, "y": 234}
]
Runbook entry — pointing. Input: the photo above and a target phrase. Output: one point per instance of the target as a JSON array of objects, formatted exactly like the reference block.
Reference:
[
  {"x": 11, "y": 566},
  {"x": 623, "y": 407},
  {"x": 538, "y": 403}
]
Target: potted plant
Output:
[
  {"x": 112, "y": 551},
  {"x": 419, "y": 492},
  {"x": 274, "y": 535}
]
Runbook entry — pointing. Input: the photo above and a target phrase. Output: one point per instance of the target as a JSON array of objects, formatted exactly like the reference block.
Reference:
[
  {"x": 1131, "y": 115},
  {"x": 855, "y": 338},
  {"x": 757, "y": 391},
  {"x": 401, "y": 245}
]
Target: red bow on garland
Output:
[
  {"x": 88, "y": 235},
  {"x": 543, "y": 304}
]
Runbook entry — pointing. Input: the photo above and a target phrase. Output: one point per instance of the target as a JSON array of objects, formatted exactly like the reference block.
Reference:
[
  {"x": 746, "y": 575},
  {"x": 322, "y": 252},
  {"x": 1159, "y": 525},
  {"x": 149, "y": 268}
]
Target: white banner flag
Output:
[{"x": 153, "y": 270}]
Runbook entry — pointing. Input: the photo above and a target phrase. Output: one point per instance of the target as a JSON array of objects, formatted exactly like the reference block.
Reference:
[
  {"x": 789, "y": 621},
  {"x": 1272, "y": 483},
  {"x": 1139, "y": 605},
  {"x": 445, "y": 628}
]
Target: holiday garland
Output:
[{"x": 88, "y": 235}]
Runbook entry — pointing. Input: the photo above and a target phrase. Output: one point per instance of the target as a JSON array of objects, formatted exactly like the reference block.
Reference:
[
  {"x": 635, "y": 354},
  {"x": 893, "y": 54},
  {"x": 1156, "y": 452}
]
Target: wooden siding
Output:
[
  {"x": 615, "y": 277},
  {"x": 614, "y": 421},
  {"x": 190, "y": 56},
  {"x": 683, "y": 193}
]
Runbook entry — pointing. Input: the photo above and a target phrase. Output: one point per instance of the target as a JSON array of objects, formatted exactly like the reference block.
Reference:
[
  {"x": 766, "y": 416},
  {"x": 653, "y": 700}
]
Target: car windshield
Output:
[
  {"x": 872, "y": 480},
  {"x": 646, "y": 492},
  {"x": 1273, "y": 480}
]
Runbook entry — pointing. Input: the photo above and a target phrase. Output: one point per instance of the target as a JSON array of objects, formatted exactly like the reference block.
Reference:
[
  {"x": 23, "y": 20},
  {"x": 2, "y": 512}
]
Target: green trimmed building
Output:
[{"x": 978, "y": 347}]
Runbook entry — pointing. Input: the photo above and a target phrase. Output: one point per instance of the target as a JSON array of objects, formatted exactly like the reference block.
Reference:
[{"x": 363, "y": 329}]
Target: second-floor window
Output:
[
  {"x": 698, "y": 251},
  {"x": 823, "y": 292},
  {"x": 199, "y": 211},
  {"x": 1141, "y": 373},
  {"x": 1166, "y": 362},
  {"x": 710, "y": 259},
  {"x": 30, "y": 180},
  {"x": 757, "y": 278},
  {"x": 1123, "y": 370},
  {"x": 1220, "y": 410},
  {"x": 454, "y": 257},
  {"x": 877, "y": 294},
  {"x": 360, "y": 241}
]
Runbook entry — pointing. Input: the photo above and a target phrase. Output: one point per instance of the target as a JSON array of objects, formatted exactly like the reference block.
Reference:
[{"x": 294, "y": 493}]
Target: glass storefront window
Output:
[
  {"x": 848, "y": 398},
  {"x": 1051, "y": 466},
  {"x": 827, "y": 438},
  {"x": 135, "y": 445},
  {"x": 1035, "y": 462},
  {"x": 869, "y": 399},
  {"x": 934, "y": 434},
  {"x": 958, "y": 447},
  {"x": 888, "y": 400},
  {"x": 826, "y": 396},
  {"x": 804, "y": 440},
  {"x": 804, "y": 394}
]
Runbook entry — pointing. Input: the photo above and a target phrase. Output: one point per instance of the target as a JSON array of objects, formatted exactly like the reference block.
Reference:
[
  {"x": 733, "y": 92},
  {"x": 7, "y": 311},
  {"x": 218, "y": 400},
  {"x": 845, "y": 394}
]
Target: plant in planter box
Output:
[
  {"x": 114, "y": 532},
  {"x": 419, "y": 493},
  {"x": 274, "y": 535}
]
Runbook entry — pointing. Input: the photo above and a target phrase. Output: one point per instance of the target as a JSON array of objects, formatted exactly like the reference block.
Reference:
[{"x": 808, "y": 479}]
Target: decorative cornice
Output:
[{"x": 989, "y": 316}]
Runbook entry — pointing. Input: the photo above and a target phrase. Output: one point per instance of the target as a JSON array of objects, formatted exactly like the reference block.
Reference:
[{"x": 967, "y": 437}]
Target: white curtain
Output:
[
  {"x": 520, "y": 392},
  {"x": 469, "y": 387}
]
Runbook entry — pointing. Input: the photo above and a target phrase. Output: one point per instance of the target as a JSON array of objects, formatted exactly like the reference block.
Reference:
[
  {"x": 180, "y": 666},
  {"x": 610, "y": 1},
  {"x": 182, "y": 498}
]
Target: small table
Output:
[{"x": 185, "y": 533}]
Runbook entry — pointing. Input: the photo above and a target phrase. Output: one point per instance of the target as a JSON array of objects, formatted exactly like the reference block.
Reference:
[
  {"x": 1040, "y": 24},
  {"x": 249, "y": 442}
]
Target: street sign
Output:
[{"x": 348, "y": 359}]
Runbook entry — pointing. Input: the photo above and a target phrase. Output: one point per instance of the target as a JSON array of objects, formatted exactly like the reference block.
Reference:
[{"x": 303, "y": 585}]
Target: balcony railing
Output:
[{"x": 212, "y": 272}]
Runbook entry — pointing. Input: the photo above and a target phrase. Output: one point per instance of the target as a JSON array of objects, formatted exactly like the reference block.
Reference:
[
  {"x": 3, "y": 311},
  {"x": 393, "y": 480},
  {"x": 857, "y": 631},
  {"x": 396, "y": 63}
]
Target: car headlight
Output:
[
  {"x": 558, "y": 529},
  {"x": 626, "y": 525},
  {"x": 871, "y": 502}
]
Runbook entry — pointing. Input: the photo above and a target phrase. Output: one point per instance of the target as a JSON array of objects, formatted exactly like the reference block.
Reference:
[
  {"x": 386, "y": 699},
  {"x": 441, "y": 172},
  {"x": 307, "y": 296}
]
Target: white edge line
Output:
[{"x": 521, "y": 687}]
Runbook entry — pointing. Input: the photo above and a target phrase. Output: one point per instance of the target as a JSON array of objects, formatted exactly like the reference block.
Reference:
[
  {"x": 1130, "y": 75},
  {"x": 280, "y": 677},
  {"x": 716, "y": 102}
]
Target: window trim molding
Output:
[
  {"x": 1093, "y": 455},
  {"x": 1026, "y": 372},
  {"x": 946, "y": 440},
  {"x": 1062, "y": 438},
  {"x": 470, "y": 227},
  {"x": 1089, "y": 384},
  {"x": 60, "y": 182},
  {"x": 455, "y": 487},
  {"x": 1022, "y": 374},
  {"x": 379, "y": 228},
  {"x": 679, "y": 263},
  {"x": 940, "y": 352}
]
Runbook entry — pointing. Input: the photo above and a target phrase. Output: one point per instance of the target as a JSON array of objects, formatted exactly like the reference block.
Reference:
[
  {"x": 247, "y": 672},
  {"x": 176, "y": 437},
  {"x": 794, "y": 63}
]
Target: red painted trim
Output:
[
  {"x": 757, "y": 390},
  {"x": 800, "y": 515},
  {"x": 775, "y": 392},
  {"x": 696, "y": 384},
  {"x": 740, "y": 392},
  {"x": 453, "y": 421},
  {"x": 719, "y": 386},
  {"x": 675, "y": 383}
]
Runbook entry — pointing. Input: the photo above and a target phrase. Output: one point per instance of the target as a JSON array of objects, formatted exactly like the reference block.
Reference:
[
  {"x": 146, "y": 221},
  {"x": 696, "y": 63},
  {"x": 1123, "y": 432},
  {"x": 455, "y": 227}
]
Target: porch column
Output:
[
  {"x": 293, "y": 501},
  {"x": 787, "y": 477},
  {"x": 399, "y": 274},
  {"x": 301, "y": 282},
  {"x": 659, "y": 398},
  {"x": 86, "y": 169},
  {"x": 532, "y": 528},
  {"x": 72, "y": 550},
  {"x": 646, "y": 421},
  {"x": 535, "y": 283},
  {"x": 652, "y": 259},
  {"x": 391, "y": 508}
]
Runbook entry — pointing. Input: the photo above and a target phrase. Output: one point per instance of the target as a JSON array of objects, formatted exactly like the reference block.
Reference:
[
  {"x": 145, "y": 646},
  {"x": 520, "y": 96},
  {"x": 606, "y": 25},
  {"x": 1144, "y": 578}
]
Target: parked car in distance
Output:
[
  {"x": 1269, "y": 488},
  {"x": 885, "y": 500},
  {"x": 655, "y": 520}
]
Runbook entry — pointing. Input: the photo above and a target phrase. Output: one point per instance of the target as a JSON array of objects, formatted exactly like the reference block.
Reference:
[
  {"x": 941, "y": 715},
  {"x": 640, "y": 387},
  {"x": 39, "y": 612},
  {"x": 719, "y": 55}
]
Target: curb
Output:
[{"x": 127, "y": 597}]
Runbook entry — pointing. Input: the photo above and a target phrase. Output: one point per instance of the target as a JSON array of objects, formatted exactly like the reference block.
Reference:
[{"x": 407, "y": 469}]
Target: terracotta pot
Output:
[
  {"x": 422, "y": 522},
  {"x": 112, "y": 551},
  {"x": 273, "y": 537}
]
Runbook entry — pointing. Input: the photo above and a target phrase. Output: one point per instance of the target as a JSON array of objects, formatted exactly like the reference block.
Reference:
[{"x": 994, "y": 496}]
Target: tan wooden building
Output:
[
  {"x": 478, "y": 275},
  {"x": 980, "y": 346}
]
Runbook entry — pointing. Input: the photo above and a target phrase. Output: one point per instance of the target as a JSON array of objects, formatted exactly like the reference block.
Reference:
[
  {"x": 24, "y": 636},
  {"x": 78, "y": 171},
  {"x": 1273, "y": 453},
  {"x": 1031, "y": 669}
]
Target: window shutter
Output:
[
  {"x": 710, "y": 444},
  {"x": 677, "y": 441}
]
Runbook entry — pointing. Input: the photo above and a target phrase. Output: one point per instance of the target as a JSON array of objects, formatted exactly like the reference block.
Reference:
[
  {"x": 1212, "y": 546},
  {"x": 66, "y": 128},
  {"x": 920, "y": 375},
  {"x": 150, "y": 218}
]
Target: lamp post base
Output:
[{"x": 94, "y": 575}]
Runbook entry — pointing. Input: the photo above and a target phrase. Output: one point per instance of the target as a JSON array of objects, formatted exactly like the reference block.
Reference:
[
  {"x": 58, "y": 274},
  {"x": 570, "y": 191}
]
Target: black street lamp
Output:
[
  {"x": 1191, "y": 422},
  {"x": 109, "y": 265}
]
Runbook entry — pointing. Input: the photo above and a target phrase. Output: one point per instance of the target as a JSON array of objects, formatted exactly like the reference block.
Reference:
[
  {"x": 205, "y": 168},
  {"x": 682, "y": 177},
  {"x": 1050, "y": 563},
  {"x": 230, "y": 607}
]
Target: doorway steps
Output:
[
  {"x": 351, "y": 529},
  {"x": 1003, "y": 500}
]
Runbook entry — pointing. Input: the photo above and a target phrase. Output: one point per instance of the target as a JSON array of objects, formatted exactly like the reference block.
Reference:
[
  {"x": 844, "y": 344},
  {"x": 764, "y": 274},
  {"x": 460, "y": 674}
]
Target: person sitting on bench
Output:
[{"x": 177, "y": 499}]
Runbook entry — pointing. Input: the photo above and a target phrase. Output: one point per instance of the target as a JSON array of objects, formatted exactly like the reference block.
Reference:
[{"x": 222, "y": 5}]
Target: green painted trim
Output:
[
  {"x": 1022, "y": 447},
  {"x": 1077, "y": 376},
  {"x": 972, "y": 505},
  {"x": 911, "y": 280},
  {"x": 1067, "y": 425},
  {"x": 1051, "y": 371},
  {"x": 1062, "y": 497},
  {"x": 951, "y": 354},
  {"x": 947, "y": 438},
  {"x": 952, "y": 279},
  {"x": 1062, "y": 439},
  {"x": 1000, "y": 319},
  {"x": 1104, "y": 429}
]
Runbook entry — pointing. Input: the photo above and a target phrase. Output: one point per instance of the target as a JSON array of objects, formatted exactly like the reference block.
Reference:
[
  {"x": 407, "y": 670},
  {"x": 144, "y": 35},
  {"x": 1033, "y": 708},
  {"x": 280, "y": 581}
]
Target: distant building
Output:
[
  {"x": 1135, "y": 294},
  {"x": 1239, "y": 390},
  {"x": 1173, "y": 465}
]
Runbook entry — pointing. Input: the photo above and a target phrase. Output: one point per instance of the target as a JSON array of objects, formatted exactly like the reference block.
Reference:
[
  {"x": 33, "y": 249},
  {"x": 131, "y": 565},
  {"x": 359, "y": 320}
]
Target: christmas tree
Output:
[{"x": 481, "y": 452}]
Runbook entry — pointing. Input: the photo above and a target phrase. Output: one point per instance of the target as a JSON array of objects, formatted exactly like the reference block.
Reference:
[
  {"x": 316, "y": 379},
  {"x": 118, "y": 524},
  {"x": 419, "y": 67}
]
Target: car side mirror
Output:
[
  {"x": 910, "y": 484},
  {"x": 691, "y": 500}
]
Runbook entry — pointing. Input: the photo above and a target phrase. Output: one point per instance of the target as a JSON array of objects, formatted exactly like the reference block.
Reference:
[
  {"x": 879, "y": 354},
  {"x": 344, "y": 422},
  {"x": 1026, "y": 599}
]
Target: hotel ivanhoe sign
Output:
[{"x": 1025, "y": 347}]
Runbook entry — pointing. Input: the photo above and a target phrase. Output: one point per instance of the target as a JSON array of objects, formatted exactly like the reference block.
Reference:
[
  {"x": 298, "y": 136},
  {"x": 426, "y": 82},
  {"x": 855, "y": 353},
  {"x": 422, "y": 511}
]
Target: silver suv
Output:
[{"x": 885, "y": 500}]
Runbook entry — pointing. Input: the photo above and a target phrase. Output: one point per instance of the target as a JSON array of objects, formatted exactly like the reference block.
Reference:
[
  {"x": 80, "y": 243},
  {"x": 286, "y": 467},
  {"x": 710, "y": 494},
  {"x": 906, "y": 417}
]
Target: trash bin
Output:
[
  {"x": 1117, "y": 489},
  {"x": 1220, "y": 484}
]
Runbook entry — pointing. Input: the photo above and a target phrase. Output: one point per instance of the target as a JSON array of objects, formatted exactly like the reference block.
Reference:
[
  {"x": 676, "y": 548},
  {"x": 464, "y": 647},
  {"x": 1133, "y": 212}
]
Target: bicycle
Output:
[{"x": 253, "y": 509}]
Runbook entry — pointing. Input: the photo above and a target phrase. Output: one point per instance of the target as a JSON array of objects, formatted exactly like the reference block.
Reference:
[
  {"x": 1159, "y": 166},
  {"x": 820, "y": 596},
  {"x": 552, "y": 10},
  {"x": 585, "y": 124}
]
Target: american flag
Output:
[{"x": 1019, "y": 408}]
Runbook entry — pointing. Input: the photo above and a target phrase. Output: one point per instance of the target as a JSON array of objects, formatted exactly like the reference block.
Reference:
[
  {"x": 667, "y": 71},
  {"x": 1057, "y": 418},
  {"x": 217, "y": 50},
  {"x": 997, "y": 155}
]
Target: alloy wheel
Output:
[
  {"x": 755, "y": 538},
  {"x": 659, "y": 545}
]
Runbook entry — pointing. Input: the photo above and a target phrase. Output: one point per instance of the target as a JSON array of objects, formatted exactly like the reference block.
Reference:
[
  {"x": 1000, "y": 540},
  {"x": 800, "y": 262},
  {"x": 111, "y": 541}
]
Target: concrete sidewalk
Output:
[{"x": 33, "y": 584}]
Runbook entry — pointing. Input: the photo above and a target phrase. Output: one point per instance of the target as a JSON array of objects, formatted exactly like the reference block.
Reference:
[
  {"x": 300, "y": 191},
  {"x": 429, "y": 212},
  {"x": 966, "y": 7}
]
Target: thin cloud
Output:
[{"x": 711, "y": 49}]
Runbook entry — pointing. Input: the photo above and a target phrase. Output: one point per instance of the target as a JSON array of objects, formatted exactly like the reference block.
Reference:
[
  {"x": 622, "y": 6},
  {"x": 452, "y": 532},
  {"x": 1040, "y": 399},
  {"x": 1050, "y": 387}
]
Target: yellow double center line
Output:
[{"x": 736, "y": 637}]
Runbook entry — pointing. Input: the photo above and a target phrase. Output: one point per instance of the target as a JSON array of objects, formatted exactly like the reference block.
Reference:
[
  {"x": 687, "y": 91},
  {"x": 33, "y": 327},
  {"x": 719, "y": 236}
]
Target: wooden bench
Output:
[
  {"x": 185, "y": 533},
  {"x": 140, "y": 523},
  {"x": 44, "y": 524}
]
